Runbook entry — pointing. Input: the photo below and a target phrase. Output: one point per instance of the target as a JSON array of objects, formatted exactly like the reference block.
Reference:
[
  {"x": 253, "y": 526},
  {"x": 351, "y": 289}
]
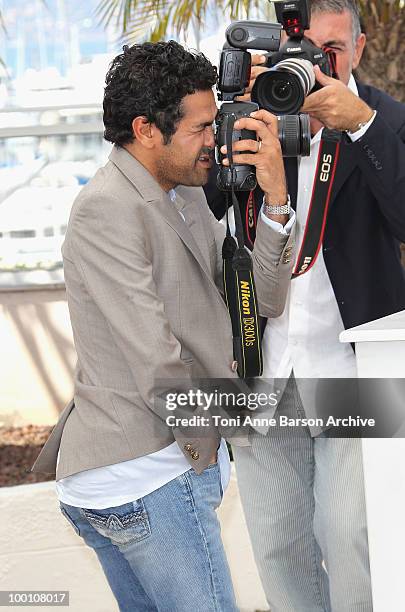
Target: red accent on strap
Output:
[
  {"x": 254, "y": 212},
  {"x": 250, "y": 202},
  {"x": 332, "y": 61},
  {"x": 310, "y": 208},
  {"x": 325, "y": 214}
]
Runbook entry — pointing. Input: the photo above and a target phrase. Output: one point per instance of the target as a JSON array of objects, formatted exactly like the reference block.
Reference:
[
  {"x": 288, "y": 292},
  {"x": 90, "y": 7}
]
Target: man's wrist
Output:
[
  {"x": 279, "y": 210},
  {"x": 275, "y": 199},
  {"x": 361, "y": 120}
]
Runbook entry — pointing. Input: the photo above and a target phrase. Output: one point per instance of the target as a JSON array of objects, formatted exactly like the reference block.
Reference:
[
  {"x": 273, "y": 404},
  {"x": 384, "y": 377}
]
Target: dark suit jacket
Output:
[{"x": 366, "y": 219}]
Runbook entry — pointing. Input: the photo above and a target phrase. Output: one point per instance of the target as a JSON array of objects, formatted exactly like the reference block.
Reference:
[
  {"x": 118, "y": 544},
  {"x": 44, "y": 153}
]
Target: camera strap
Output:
[
  {"x": 251, "y": 219},
  {"x": 318, "y": 209},
  {"x": 239, "y": 286},
  {"x": 321, "y": 193}
]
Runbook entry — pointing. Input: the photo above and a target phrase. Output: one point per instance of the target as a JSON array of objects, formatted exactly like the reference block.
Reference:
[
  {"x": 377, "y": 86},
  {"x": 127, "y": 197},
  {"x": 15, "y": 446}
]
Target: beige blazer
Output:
[{"x": 143, "y": 289}]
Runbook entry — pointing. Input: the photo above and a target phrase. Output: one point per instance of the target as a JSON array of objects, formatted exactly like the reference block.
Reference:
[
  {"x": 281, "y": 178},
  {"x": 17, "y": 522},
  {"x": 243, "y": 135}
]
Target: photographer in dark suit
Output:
[{"x": 303, "y": 495}]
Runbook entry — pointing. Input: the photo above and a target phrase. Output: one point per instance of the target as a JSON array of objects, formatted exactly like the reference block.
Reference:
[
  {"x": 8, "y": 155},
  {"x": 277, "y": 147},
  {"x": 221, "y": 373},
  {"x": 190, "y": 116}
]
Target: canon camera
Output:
[{"x": 281, "y": 90}]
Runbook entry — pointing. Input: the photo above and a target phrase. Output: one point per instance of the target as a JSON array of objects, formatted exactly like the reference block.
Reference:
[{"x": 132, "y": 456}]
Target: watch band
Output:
[{"x": 278, "y": 209}]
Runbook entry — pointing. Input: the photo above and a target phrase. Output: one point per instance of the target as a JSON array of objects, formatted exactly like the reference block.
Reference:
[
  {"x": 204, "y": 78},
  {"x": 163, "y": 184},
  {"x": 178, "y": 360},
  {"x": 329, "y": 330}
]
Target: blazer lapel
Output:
[
  {"x": 152, "y": 193},
  {"x": 170, "y": 214},
  {"x": 348, "y": 155},
  {"x": 347, "y": 162},
  {"x": 190, "y": 210}
]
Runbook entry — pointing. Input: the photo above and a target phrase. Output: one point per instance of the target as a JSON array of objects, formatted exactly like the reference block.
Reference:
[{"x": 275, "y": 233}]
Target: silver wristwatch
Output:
[{"x": 277, "y": 209}]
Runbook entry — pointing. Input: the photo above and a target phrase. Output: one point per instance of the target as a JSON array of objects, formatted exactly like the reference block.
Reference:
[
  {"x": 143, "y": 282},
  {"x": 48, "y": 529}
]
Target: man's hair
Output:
[
  {"x": 339, "y": 6},
  {"x": 150, "y": 80}
]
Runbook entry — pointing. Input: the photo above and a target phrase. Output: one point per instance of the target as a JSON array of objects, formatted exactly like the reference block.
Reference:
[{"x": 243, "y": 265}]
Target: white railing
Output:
[{"x": 35, "y": 122}]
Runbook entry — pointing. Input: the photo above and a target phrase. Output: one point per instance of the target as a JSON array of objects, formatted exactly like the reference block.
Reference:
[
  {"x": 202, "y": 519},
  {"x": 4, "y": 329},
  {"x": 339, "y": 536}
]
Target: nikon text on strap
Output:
[{"x": 239, "y": 288}]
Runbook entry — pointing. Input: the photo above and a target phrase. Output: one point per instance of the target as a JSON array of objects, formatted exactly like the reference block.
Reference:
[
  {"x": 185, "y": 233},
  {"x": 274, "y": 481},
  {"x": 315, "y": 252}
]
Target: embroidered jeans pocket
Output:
[{"x": 122, "y": 524}]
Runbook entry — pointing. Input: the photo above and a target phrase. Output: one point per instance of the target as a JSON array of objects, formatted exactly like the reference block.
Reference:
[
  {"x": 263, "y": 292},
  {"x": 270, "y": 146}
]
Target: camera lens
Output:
[
  {"x": 278, "y": 92},
  {"x": 282, "y": 90},
  {"x": 294, "y": 133}
]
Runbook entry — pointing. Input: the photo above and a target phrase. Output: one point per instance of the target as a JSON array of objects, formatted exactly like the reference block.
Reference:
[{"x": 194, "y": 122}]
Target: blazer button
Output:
[
  {"x": 195, "y": 456},
  {"x": 187, "y": 447},
  {"x": 234, "y": 366}
]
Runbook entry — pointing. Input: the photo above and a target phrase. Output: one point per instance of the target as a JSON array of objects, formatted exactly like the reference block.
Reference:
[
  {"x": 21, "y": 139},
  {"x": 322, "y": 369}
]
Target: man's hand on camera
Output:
[
  {"x": 265, "y": 154},
  {"x": 335, "y": 106},
  {"x": 257, "y": 69}
]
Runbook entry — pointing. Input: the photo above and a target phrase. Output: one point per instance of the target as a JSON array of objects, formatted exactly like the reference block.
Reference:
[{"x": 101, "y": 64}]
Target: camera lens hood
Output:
[{"x": 282, "y": 89}]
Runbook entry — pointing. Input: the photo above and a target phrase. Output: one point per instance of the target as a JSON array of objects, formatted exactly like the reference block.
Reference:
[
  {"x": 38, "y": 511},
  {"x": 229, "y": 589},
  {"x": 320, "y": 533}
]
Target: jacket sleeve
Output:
[
  {"x": 273, "y": 260},
  {"x": 381, "y": 157},
  {"x": 117, "y": 272}
]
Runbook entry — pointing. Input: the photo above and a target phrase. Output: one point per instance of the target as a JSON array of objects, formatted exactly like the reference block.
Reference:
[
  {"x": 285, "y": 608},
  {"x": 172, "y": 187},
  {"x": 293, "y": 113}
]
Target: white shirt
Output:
[
  {"x": 120, "y": 483},
  {"x": 306, "y": 336}
]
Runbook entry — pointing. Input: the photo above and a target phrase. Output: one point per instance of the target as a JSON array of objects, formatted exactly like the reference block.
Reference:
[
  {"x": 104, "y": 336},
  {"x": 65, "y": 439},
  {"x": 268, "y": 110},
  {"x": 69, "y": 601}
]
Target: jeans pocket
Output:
[
  {"x": 121, "y": 524},
  {"x": 213, "y": 466},
  {"x": 221, "y": 490},
  {"x": 69, "y": 518},
  {"x": 213, "y": 481}
]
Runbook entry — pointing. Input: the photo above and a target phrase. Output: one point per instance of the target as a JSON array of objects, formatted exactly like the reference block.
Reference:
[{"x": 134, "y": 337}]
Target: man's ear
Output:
[
  {"x": 144, "y": 132},
  {"x": 358, "y": 50}
]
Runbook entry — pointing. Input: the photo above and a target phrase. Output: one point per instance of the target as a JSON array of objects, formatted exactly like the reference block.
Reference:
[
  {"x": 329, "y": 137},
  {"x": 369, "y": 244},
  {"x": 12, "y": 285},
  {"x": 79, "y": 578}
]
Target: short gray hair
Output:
[{"x": 339, "y": 6}]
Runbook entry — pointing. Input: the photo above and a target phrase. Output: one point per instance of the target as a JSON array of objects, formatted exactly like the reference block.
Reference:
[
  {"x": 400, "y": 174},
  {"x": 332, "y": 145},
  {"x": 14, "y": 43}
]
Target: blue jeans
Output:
[{"x": 163, "y": 552}]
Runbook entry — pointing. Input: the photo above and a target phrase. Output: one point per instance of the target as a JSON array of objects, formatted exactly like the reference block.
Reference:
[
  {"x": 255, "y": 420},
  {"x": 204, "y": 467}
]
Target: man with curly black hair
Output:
[
  {"x": 170, "y": 75},
  {"x": 143, "y": 264}
]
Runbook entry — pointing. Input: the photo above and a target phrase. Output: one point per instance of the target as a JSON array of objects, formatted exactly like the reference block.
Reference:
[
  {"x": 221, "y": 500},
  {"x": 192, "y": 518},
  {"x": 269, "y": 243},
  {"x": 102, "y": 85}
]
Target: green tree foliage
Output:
[{"x": 156, "y": 19}]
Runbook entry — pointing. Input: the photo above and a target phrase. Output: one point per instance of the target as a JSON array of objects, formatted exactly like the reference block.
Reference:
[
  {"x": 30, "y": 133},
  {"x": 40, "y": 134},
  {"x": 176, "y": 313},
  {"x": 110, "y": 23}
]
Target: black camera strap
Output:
[
  {"x": 318, "y": 209},
  {"x": 239, "y": 286}
]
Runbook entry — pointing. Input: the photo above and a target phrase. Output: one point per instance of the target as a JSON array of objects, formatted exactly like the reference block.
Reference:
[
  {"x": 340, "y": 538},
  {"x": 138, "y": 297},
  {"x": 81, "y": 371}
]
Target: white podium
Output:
[{"x": 380, "y": 353}]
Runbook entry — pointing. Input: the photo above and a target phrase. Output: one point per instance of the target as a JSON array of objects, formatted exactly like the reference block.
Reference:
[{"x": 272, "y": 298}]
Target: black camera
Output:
[
  {"x": 281, "y": 90},
  {"x": 293, "y": 132}
]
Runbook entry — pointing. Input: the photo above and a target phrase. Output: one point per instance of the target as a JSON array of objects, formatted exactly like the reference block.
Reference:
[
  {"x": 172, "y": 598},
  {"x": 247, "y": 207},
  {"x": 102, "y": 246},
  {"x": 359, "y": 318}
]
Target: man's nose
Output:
[{"x": 209, "y": 140}]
